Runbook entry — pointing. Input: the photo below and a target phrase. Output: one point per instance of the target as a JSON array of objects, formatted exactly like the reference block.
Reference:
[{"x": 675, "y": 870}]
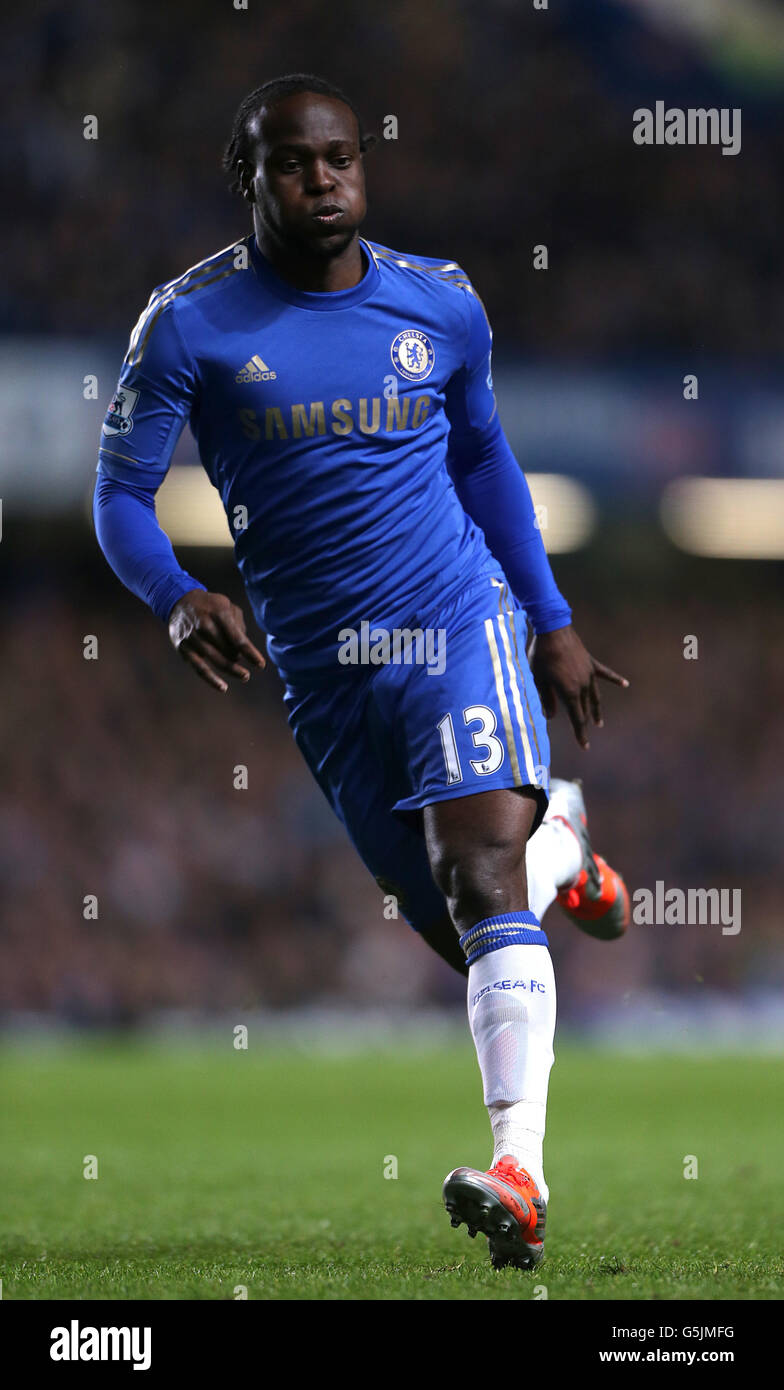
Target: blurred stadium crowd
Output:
[
  {"x": 514, "y": 129},
  {"x": 119, "y": 784}
]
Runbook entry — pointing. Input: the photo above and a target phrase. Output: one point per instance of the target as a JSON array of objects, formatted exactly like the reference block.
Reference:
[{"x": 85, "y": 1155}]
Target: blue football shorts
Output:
[{"x": 453, "y": 714}]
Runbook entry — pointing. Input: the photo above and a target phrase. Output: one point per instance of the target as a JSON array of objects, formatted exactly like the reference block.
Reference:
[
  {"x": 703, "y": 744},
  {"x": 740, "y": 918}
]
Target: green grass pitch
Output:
[{"x": 219, "y": 1168}]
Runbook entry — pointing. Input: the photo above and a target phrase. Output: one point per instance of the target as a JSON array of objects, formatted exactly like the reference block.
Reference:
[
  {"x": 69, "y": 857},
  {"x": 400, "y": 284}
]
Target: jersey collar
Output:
[{"x": 325, "y": 302}]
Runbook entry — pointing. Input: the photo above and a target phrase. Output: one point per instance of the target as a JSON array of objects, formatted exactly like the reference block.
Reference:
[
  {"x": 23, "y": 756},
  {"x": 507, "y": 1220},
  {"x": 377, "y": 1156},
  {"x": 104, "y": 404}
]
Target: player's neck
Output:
[{"x": 320, "y": 275}]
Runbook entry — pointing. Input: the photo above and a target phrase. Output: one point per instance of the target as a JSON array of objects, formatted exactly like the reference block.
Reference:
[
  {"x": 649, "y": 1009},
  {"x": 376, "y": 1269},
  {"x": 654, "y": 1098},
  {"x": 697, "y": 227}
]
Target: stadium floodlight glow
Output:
[
  {"x": 565, "y": 511},
  {"x": 726, "y": 518},
  {"x": 190, "y": 511}
]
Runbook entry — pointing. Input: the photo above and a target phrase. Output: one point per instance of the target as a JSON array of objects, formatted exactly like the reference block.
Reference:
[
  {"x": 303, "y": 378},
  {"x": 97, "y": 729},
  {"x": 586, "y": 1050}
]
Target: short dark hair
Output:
[{"x": 240, "y": 147}]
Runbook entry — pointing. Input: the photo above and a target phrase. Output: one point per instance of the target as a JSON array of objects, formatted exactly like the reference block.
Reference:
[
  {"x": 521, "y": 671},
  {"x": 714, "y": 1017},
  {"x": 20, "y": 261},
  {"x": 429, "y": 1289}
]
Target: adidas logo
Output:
[{"x": 255, "y": 370}]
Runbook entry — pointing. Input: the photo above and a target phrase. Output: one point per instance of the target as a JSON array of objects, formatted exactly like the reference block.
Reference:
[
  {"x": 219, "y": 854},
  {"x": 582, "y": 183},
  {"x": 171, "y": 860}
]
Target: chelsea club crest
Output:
[{"x": 413, "y": 354}]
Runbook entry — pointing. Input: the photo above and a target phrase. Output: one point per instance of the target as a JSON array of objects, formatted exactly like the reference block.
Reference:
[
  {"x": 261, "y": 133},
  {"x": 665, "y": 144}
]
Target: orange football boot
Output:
[
  {"x": 598, "y": 902},
  {"x": 506, "y": 1205}
]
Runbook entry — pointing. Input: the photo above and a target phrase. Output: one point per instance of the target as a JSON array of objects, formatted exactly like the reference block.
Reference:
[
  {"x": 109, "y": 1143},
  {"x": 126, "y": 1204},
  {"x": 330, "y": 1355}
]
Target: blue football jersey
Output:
[{"x": 323, "y": 421}]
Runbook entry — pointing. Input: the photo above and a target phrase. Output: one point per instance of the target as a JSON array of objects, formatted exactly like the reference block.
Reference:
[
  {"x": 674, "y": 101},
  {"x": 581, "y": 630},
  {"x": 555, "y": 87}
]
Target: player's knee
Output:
[{"x": 480, "y": 881}]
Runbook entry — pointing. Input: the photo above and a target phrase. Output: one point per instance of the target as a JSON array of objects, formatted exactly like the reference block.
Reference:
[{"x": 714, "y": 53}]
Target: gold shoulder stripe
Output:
[
  {"x": 203, "y": 268},
  {"x": 414, "y": 265},
  {"x": 482, "y": 302},
  {"x": 372, "y": 251},
  {"x": 168, "y": 299},
  {"x": 449, "y": 274}
]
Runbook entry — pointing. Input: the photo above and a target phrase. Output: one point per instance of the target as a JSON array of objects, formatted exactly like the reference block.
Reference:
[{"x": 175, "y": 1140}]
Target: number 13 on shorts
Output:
[{"x": 483, "y": 738}]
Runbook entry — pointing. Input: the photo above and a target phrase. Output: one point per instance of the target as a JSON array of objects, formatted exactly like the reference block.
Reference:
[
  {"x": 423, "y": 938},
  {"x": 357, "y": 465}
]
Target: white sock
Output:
[
  {"x": 511, "y": 1011},
  {"x": 553, "y": 860}
]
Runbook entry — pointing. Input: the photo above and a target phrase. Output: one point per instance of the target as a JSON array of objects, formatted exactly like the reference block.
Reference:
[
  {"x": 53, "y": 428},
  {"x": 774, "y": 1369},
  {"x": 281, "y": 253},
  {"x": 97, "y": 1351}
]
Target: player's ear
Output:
[{"x": 245, "y": 173}]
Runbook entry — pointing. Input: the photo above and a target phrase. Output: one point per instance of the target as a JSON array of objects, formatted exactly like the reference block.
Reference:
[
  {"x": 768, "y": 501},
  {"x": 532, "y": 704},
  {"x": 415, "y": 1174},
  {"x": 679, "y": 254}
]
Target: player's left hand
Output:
[{"x": 562, "y": 667}]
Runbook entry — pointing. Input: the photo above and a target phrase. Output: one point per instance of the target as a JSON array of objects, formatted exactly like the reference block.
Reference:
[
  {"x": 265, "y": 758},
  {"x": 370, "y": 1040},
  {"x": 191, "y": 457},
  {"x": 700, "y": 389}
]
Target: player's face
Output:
[{"x": 307, "y": 181}]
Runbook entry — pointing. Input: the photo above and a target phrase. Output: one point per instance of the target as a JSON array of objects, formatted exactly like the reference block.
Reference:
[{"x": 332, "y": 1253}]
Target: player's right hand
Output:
[{"x": 208, "y": 631}]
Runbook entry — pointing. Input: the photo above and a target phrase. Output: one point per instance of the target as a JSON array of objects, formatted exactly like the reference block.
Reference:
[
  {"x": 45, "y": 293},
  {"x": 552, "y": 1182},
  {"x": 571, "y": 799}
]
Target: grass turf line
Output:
[{"x": 220, "y": 1168}]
